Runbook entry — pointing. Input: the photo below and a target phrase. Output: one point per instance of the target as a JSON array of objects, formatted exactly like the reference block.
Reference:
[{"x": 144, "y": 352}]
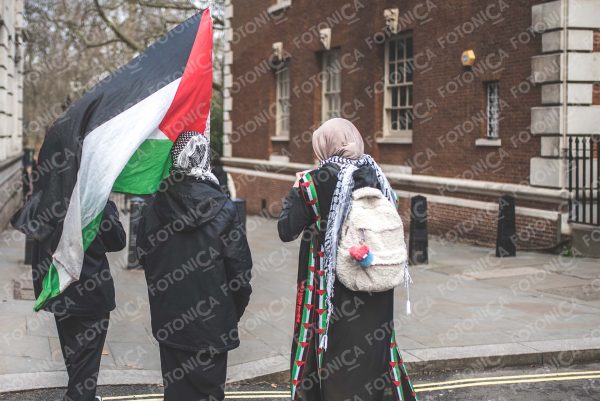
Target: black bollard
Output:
[
  {"x": 418, "y": 242},
  {"x": 136, "y": 206},
  {"x": 28, "y": 251},
  {"x": 240, "y": 205},
  {"x": 505, "y": 240}
]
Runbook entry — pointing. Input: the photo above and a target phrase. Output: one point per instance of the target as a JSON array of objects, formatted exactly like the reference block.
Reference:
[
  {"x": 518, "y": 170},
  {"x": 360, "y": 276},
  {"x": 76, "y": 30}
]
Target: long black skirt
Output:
[{"x": 362, "y": 361}]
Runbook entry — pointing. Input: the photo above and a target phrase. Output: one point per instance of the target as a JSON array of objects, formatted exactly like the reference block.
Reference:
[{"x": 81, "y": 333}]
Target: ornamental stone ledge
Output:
[{"x": 401, "y": 180}]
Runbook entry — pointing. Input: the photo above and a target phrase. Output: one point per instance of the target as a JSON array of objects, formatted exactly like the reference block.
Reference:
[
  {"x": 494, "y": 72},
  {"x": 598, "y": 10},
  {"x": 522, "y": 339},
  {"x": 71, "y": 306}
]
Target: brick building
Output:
[
  {"x": 11, "y": 106},
  {"x": 459, "y": 101}
]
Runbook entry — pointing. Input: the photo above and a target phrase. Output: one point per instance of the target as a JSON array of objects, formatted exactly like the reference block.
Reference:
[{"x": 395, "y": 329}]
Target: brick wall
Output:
[
  {"x": 454, "y": 223},
  {"x": 476, "y": 226},
  {"x": 450, "y": 223},
  {"x": 448, "y": 99}
]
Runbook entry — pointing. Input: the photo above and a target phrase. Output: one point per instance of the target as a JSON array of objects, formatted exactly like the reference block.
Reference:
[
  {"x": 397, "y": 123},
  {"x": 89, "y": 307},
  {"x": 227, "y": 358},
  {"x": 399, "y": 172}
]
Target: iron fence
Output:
[{"x": 584, "y": 179}]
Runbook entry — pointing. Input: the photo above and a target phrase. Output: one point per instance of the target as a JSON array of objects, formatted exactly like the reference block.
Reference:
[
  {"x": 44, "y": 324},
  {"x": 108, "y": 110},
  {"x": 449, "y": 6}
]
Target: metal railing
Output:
[
  {"x": 584, "y": 179},
  {"x": 122, "y": 202}
]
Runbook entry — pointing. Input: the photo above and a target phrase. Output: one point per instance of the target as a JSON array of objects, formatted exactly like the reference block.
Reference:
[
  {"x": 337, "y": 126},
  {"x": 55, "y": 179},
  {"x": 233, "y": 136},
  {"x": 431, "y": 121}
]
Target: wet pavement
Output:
[{"x": 469, "y": 308}]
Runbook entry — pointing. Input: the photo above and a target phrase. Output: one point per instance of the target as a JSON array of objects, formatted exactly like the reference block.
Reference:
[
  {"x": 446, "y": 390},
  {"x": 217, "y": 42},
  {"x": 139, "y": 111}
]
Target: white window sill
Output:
[
  {"x": 396, "y": 169},
  {"x": 490, "y": 142},
  {"x": 280, "y": 138},
  {"x": 404, "y": 139},
  {"x": 279, "y": 159},
  {"x": 280, "y": 6}
]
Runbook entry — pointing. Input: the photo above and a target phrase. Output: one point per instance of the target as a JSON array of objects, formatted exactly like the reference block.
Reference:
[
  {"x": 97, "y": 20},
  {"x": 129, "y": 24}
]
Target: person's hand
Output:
[{"x": 299, "y": 176}]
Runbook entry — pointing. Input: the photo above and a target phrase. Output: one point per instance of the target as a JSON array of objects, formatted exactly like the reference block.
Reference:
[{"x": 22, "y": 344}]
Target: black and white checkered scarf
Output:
[
  {"x": 340, "y": 207},
  {"x": 190, "y": 155}
]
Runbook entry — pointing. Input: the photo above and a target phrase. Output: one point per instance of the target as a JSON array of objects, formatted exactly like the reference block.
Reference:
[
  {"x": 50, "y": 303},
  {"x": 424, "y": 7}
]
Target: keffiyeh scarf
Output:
[
  {"x": 191, "y": 156},
  {"x": 340, "y": 207}
]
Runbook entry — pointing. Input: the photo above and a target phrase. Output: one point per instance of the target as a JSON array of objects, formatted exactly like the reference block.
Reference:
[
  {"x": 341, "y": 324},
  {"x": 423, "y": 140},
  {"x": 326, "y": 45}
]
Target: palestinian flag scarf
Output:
[{"x": 117, "y": 137}]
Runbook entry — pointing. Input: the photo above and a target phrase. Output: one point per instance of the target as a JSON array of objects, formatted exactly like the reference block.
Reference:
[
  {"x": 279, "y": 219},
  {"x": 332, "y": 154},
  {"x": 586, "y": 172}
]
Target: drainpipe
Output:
[{"x": 565, "y": 97}]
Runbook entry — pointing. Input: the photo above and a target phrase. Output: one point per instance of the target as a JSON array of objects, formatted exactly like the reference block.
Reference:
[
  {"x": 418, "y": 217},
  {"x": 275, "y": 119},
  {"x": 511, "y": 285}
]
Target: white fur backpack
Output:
[{"x": 371, "y": 254}]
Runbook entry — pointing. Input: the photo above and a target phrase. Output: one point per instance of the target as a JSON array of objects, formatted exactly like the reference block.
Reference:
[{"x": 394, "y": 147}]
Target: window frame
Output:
[
  {"x": 328, "y": 69},
  {"x": 390, "y": 134},
  {"x": 279, "y": 5},
  {"x": 282, "y": 74},
  {"x": 492, "y": 87}
]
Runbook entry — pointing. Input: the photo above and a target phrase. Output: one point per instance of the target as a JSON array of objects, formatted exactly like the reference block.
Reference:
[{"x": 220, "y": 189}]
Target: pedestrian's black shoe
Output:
[{"x": 98, "y": 398}]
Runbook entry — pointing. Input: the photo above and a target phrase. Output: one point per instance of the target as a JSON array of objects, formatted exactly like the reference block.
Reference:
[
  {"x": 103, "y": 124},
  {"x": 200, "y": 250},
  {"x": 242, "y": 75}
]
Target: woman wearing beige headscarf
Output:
[{"x": 344, "y": 344}]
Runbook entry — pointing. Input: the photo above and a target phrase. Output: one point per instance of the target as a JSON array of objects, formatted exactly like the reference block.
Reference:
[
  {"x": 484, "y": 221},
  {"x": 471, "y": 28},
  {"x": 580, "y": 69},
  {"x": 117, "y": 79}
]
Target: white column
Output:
[{"x": 566, "y": 70}]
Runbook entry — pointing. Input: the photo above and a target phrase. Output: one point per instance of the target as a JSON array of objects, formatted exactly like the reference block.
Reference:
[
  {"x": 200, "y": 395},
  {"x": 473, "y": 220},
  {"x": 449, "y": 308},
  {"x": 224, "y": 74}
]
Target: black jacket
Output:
[
  {"x": 197, "y": 262},
  {"x": 94, "y": 293}
]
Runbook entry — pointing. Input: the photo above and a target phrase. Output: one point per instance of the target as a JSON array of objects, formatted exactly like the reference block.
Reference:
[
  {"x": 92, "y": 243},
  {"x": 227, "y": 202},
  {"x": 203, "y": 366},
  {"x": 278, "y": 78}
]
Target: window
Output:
[
  {"x": 332, "y": 85},
  {"x": 493, "y": 109},
  {"x": 398, "y": 118},
  {"x": 279, "y": 5},
  {"x": 283, "y": 103}
]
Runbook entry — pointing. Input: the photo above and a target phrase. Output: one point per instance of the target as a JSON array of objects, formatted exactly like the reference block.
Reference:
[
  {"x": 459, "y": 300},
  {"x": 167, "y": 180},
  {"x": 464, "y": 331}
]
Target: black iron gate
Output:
[{"x": 584, "y": 179}]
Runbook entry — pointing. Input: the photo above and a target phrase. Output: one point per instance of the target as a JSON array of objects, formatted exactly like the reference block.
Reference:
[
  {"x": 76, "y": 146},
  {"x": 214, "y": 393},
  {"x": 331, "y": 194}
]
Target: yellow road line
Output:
[
  {"x": 250, "y": 397},
  {"x": 228, "y": 394},
  {"x": 257, "y": 392},
  {"x": 499, "y": 382},
  {"x": 420, "y": 387},
  {"x": 478, "y": 379},
  {"x": 239, "y": 397},
  {"x": 145, "y": 399}
]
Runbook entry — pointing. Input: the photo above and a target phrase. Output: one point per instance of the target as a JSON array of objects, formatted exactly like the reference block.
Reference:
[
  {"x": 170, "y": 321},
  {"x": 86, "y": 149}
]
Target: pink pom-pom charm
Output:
[{"x": 362, "y": 255}]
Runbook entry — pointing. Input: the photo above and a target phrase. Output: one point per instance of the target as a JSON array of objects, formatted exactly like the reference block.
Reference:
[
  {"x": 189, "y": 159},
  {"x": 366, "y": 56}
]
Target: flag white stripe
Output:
[{"x": 106, "y": 150}]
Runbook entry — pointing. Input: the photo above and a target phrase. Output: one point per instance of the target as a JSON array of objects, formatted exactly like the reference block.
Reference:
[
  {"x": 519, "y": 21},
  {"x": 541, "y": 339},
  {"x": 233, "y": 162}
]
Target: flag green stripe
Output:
[
  {"x": 50, "y": 288},
  {"x": 51, "y": 282},
  {"x": 146, "y": 168},
  {"x": 141, "y": 176}
]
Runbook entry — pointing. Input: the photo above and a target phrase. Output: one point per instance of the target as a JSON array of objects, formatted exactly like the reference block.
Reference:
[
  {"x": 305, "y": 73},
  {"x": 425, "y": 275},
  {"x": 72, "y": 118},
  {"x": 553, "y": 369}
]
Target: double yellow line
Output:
[
  {"x": 419, "y": 388},
  {"x": 241, "y": 395},
  {"x": 500, "y": 380}
]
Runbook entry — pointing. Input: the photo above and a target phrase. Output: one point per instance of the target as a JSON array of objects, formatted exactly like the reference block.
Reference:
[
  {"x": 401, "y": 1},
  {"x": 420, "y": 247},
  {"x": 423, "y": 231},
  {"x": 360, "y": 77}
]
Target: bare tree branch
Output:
[
  {"x": 166, "y": 5},
  {"x": 175, "y": 6},
  {"x": 121, "y": 35},
  {"x": 101, "y": 44}
]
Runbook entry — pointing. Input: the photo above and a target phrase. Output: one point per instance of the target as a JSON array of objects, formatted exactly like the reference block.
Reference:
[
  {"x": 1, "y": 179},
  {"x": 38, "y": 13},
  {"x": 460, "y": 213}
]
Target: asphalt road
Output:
[{"x": 577, "y": 383}]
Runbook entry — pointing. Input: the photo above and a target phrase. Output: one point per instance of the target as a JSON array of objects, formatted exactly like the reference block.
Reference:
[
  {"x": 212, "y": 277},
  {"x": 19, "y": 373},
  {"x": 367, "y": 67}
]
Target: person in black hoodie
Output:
[
  {"x": 82, "y": 310},
  {"x": 193, "y": 248}
]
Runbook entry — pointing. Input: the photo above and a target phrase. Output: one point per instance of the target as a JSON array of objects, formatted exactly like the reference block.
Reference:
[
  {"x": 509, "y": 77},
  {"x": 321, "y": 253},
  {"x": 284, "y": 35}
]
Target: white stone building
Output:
[
  {"x": 11, "y": 106},
  {"x": 568, "y": 122}
]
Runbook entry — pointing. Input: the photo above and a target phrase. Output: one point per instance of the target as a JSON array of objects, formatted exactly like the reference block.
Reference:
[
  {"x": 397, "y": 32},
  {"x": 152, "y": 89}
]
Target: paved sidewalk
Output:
[{"x": 470, "y": 310}]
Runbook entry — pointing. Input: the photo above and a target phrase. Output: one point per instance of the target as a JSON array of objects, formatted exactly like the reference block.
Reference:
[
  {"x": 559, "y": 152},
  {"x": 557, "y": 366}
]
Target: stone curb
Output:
[
  {"x": 492, "y": 356},
  {"x": 114, "y": 377},
  {"x": 277, "y": 368},
  {"x": 554, "y": 359}
]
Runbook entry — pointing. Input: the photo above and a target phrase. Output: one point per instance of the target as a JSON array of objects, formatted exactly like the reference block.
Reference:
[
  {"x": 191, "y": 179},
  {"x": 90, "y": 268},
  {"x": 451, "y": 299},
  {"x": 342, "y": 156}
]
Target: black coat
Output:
[
  {"x": 197, "y": 262},
  {"x": 357, "y": 316},
  {"x": 94, "y": 293}
]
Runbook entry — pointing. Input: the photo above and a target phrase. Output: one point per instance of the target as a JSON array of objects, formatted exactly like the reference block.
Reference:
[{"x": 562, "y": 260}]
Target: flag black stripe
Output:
[{"x": 59, "y": 158}]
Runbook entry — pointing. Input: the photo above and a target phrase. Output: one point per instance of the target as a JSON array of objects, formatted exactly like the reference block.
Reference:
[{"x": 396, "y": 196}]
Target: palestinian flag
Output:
[{"x": 117, "y": 137}]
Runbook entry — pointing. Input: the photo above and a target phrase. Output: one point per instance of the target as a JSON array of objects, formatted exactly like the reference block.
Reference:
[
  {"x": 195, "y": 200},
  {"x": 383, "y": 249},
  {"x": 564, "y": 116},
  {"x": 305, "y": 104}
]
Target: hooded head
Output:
[
  {"x": 190, "y": 155},
  {"x": 183, "y": 200},
  {"x": 338, "y": 137}
]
